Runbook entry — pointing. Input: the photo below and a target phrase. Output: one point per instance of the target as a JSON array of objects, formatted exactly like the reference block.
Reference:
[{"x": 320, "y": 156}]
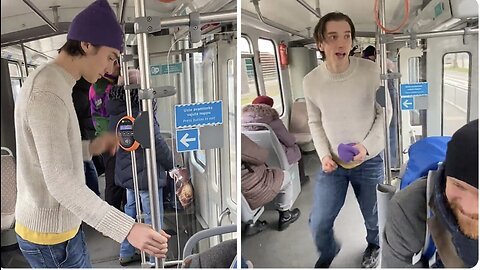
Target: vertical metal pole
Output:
[
  {"x": 128, "y": 102},
  {"x": 150, "y": 154},
  {"x": 399, "y": 119},
  {"x": 383, "y": 66},
  {"x": 24, "y": 59}
]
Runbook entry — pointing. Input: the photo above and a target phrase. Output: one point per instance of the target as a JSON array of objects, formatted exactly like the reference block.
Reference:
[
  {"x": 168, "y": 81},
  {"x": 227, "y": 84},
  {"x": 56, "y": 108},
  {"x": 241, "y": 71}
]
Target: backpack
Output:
[{"x": 424, "y": 158}]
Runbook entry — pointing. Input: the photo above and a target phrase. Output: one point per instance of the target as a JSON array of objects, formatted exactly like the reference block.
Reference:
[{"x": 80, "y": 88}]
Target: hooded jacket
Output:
[
  {"x": 260, "y": 184},
  {"x": 117, "y": 108},
  {"x": 406, "y": 224},
  {"x": 261, "y": 113}
]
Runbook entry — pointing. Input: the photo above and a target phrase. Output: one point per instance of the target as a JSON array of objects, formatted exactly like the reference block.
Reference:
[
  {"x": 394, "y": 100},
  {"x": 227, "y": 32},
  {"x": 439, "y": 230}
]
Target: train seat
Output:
[
  {"x": 276, "y": 157},
  {"x": 9, "y": 189},
  {"x": 222, "y": 255},
  {"x": 299, "y": 125}
]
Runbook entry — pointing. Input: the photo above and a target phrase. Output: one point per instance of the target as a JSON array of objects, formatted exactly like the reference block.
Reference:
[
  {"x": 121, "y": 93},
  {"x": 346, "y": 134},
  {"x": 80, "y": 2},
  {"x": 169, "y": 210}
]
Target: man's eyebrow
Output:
[
  {"x": 116, "y": 55},
  {"x": 333, "y": 33}
]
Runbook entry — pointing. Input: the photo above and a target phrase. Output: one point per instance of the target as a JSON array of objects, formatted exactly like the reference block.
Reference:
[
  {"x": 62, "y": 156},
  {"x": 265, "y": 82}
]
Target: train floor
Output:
[
  {"x": 294, "y": 247},
  {"x": 104, "y": 252}
]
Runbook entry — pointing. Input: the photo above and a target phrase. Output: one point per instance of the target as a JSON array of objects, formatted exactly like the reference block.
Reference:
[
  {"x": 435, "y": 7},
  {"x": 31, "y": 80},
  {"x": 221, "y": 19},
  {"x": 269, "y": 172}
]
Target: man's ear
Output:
[{"x": 86, "y": 46}]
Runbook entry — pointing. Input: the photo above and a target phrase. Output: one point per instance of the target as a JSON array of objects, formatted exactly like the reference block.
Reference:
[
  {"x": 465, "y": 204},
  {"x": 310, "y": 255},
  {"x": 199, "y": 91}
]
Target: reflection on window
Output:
[
  {"x": 319, "y": 57},
  {"x": 15, "y": 78},
  {"x": 245, "y": 46},
  {"x": 232, "y": 130},
  {"x": 16, "y": 85},
  {"x": 456, "y": 82},
  {"x": 268, "y": 63},
  {"x": 14, "y": 70},
  {"x": 249, "y": 82},
  {"x": 198, "y": 96}
]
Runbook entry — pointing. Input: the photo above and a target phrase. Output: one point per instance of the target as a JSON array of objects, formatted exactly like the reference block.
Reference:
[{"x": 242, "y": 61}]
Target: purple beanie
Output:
[{"x": 98, "y": 25}]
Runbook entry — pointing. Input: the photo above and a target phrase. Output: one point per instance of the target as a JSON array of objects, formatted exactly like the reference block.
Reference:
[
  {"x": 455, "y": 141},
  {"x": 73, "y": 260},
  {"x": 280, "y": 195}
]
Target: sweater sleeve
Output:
[
  {"x": 320, "y": 139},
  {"x": 374, "y": 142},
  {"x": 282, "y": 133},
  {"x": 400, "y": 239},
  {"x": 54, "y": 153}
]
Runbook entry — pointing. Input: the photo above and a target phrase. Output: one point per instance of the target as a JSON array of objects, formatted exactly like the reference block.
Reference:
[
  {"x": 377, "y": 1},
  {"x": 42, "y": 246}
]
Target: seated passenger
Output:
[
  {"x": 123, "y": 164},
  {"x": 453, "y": 225},
  {"x": 262, "y": 184},
  {"x": 261, "y": 111}
]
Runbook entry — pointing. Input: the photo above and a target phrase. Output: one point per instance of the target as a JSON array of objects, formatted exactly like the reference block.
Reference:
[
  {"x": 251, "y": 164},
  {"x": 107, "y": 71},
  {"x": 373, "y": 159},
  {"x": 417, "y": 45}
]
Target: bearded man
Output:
[{"x": 453, "y": 217}]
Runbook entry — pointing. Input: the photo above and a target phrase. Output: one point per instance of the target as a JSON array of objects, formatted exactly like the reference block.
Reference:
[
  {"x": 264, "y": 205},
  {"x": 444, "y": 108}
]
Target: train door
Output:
[
  {"x": 215, "y": 179},
  {"x": 451, "y": 72}
]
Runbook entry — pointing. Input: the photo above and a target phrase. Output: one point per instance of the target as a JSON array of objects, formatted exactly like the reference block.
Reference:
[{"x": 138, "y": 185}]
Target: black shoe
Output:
[
  {"x": 326, "y": 264},
  {"x": 258, "y": 226},
  {"x": 287, "y": 217},
  {"x": 319, "y": 264},
  {"x": 370, "y": 256}
]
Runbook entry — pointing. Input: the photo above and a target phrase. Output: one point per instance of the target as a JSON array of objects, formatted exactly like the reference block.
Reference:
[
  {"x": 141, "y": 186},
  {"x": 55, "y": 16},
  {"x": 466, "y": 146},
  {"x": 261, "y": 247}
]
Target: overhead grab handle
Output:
[{"x": 150, "y": 24}]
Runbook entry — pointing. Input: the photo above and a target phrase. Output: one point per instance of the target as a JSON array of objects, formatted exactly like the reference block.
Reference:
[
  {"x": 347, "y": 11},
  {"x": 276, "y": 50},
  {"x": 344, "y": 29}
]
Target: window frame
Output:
[
  {"x": 277, "y": 68},
  {"x": 469, "y": 89}
]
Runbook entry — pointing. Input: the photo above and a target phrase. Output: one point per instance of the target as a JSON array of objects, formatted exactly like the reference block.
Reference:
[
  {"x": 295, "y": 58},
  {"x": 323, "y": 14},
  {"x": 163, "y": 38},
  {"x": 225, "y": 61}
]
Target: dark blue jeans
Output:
[
  {"x": 329, "y": 197},
  {"x": 91, "y": 177},
  {"x": 126, "y": 249},
  {"x": 70, "y": 254}
]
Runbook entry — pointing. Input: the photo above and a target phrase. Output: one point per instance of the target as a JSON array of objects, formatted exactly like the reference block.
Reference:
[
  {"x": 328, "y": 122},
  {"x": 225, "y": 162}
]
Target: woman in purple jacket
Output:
[{"x": 261, "y": 111}]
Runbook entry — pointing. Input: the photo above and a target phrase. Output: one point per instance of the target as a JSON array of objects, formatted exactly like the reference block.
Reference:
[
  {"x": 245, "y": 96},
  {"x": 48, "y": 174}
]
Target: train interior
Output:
[
  {"x": 449, "y": 63},
  {"x": 202, "y": 70}
]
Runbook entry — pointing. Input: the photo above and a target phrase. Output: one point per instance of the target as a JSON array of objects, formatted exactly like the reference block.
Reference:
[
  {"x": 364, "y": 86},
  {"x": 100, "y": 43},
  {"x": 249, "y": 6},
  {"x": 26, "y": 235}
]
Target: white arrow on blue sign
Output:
[
  {"x": 187, "y": 140},
  {"x": 407, "y": 103}
]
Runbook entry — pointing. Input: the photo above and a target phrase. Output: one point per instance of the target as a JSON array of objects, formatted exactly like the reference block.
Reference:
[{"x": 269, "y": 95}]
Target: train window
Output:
[
  {"x": 319, "y": 57},
  {"x": 249, "y": 80},
  {"x": 14, "y": 70},
  {"x": 455, "y": 91},
  {"x": 16, "y": 86},
  {"x": 15, "y": 78},
  {"x": 232, "y": 130},
  {"x": 269, "y": 65},
  {"x": 245, "y": 45}
]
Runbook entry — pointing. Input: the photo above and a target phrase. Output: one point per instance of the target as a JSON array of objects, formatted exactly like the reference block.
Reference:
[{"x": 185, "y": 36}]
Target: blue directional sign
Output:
[
  {"x": 407, "y": 103},
  {"x": 166, "y": 69},
  {"x": 187, "y": 140},
  {"x": 414, "y": 89},
  {"x": 198, "y": 114}
]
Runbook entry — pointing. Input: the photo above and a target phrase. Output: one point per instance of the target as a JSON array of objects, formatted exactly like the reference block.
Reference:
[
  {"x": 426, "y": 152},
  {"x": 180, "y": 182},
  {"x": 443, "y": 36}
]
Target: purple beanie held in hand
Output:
[
  {"x": 346, "y": 152},
  {"x": 98, "y": 25}
]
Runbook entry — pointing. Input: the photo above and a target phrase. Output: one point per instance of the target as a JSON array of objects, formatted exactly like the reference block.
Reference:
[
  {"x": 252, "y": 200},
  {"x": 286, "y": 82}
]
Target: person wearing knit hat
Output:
[
  {"x": 263, "y": 100},
  {"x": 453, "y": 215},
  {"x": 53, "y": 199}
]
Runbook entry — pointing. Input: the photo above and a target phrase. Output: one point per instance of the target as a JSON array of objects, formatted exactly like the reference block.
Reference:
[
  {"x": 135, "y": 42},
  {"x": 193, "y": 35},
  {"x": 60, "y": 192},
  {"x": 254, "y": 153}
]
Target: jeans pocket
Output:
[
  {"x": 75, "y": 252},
  {"x": 33, "y": 255}
]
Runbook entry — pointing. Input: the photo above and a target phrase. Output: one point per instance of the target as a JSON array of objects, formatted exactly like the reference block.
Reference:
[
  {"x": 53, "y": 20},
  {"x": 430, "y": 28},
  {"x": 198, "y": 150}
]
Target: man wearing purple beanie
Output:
[{"x": 53, "y": 198}]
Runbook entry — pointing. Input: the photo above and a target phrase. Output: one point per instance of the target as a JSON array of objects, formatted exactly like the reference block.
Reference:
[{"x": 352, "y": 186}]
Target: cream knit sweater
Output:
[
  {"x": 342, "y": 108},
  {"x": 52, "y": 194}
]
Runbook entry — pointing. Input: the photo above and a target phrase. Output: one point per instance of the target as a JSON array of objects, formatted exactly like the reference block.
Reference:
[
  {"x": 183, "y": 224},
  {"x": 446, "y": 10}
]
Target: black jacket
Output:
[
  {"x": 82, "y": 108},
  {"x": 123, "y": 165}
]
